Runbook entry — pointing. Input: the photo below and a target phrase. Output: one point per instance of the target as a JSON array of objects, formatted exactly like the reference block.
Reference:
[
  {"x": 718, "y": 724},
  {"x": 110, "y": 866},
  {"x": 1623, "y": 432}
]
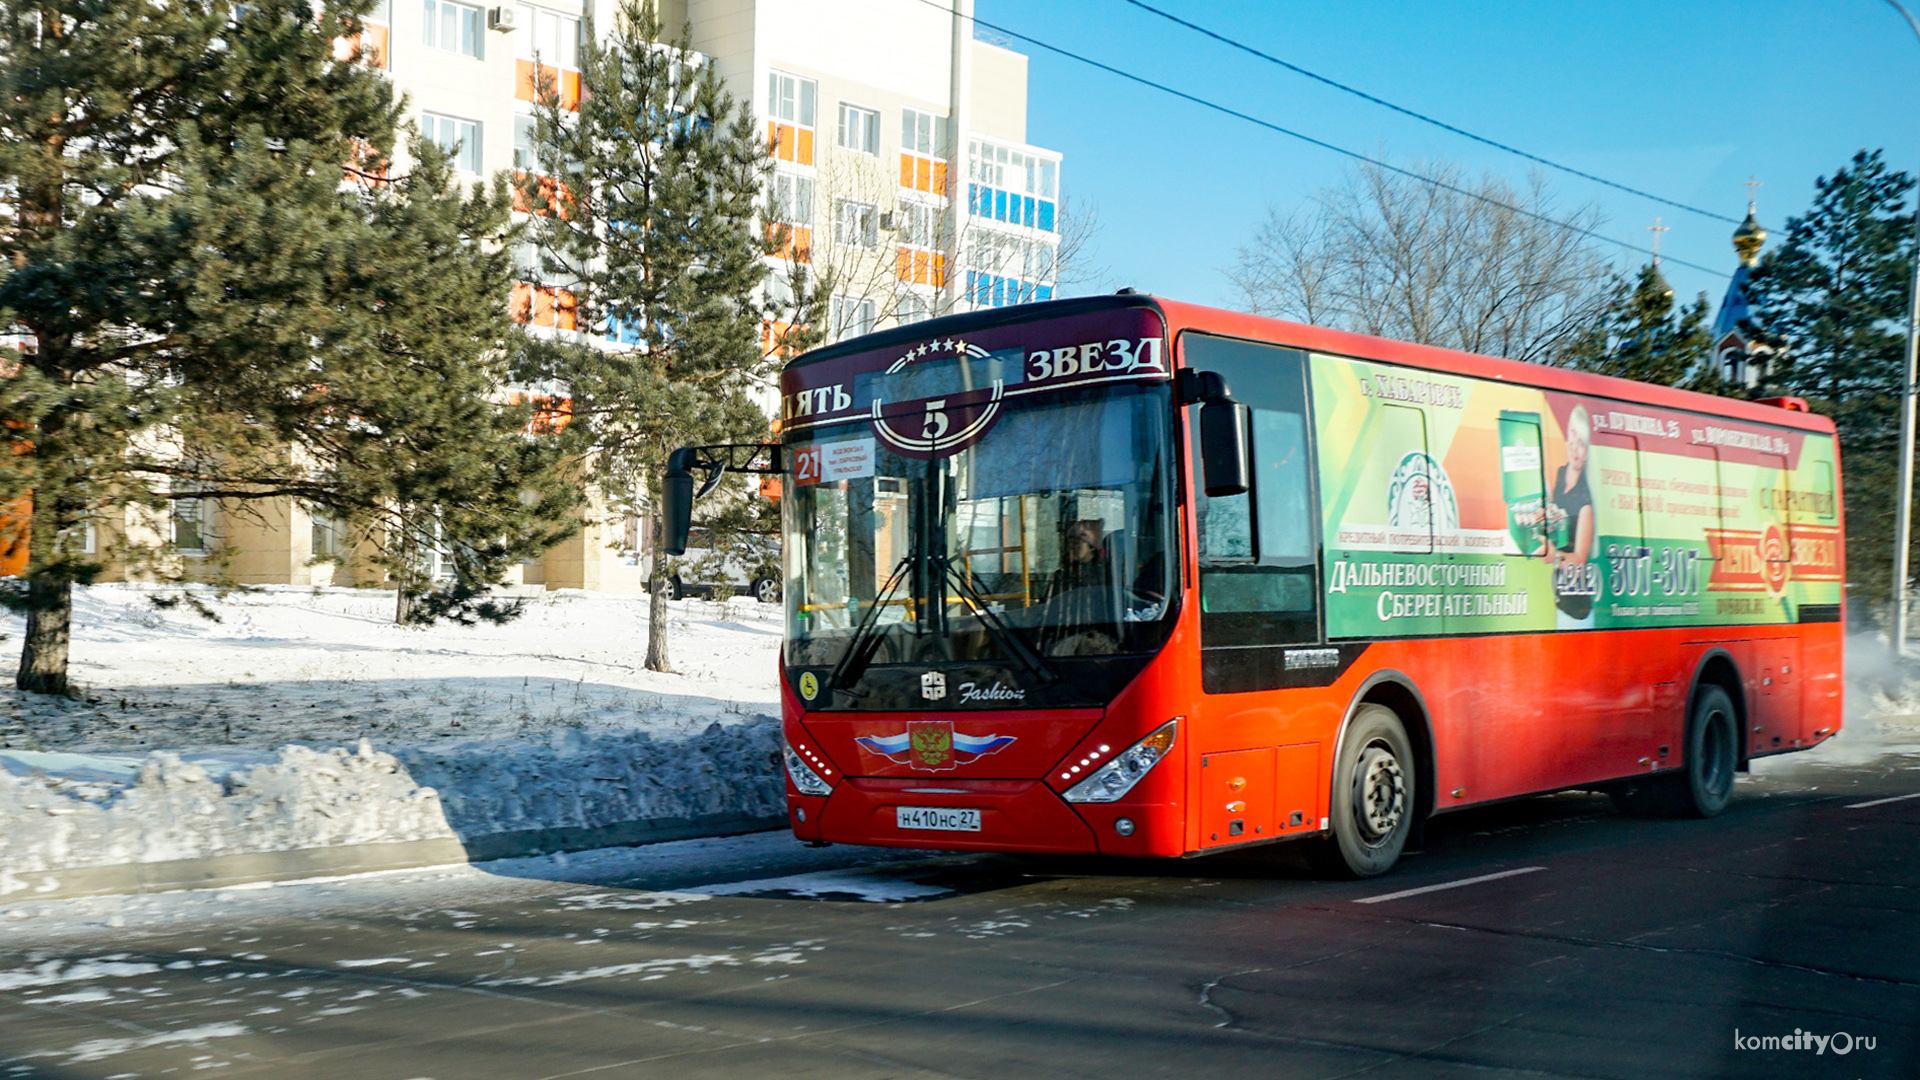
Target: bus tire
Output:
[
  {"x": 1703, "y": 787},
  {"x": 1373, "y": 796}
]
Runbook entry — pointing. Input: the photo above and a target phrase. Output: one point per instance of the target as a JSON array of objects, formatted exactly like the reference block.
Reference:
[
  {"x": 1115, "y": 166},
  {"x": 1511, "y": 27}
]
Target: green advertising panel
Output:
[{"x": 1455, "y": 505}]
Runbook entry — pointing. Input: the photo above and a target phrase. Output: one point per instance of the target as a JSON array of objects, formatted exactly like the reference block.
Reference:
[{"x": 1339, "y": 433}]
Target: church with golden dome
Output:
[{"x": 1742, "y": 361}]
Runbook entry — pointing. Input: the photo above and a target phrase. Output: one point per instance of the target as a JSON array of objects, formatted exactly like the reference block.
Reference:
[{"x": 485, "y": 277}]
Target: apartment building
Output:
[{"x": 902, "y": 170}]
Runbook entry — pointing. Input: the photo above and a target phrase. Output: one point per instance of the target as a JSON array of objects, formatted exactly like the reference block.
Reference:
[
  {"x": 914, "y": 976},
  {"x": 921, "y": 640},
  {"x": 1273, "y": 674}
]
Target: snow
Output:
[
  {"x": 871, "y": 886},
  {"x": 304, "y": 718}
]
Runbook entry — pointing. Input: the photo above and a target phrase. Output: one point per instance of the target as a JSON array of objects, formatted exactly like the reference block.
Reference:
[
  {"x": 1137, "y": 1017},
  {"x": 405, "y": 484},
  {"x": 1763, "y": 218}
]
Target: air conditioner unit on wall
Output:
[{"x": 502, "y": 17}]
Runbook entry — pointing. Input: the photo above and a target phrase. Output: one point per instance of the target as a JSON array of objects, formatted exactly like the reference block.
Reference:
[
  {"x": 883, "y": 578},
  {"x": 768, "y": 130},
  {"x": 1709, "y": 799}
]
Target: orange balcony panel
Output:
[
  {"x": 937, "y": 270},
  {"x": 16, "y": 519},
  {"x": 371, "y": 42},
  {"x": 906, "y": 170},
  {"x": 530, "y": 78},
  {"x": 554, "y": 196},
  {"x": 939, "y": 176},
  {"x": 793, "y": 242},
  {"x": 565, "y": 309},
  {"x": 776, "y": 338},
  {"x": 803, "y": 152},
  {"x": 922, "y": 174},
  {"x": 521, "y": 305},
  {"x": 374, "y": 45}
]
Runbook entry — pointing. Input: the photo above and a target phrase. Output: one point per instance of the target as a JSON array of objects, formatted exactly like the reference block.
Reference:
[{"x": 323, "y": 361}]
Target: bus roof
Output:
[{"x": 1184, "y": 316}]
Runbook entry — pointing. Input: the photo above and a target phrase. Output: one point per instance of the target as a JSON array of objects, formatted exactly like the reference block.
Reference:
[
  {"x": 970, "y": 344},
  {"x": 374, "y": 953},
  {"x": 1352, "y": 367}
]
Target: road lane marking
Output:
[
  {"x": 1447, "y": 885},
  {"x": 1878, "y": 802}
]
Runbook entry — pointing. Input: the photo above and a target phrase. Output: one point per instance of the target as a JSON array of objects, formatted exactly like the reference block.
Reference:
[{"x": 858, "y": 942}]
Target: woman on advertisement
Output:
[{"x": 1569, "y": 540}]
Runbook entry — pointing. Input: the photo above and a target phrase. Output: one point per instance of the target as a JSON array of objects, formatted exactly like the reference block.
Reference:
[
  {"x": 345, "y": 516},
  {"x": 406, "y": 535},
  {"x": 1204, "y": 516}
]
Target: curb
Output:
[{"x": 245, "y": 868}]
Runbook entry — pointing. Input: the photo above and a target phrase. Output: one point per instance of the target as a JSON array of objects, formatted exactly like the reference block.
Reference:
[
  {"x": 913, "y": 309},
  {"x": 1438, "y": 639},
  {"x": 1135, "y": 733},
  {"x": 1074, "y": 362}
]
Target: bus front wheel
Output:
[{"x": 1373, "y": 796}]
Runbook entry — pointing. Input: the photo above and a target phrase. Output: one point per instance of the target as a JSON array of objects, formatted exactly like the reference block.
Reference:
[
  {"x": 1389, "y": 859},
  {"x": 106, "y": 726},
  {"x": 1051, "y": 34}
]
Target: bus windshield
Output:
[{"x": 1047, "y": 537}]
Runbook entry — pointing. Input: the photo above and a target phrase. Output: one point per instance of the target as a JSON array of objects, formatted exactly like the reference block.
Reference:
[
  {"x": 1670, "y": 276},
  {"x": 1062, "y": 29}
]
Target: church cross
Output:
[{"x": 1656, "y": 229}]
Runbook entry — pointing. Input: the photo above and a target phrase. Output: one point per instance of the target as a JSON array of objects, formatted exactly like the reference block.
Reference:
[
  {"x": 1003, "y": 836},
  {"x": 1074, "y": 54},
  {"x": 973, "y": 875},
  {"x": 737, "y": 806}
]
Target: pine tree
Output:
[
  {"x": 649, "y": 216},
  {"x": 211, "y": 314},
  {"x": 1639, "y": 335},
  {"x": 1836, "y": 293}
]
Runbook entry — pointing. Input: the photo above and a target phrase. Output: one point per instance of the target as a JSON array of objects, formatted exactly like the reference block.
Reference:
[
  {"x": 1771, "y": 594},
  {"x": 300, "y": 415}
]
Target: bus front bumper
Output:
[{"x": 1010, "y": 816}]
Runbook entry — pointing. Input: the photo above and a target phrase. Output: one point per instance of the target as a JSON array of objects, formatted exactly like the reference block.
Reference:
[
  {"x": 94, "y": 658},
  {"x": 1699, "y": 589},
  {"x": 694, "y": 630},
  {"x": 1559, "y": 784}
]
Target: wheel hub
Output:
[{"x": 1381, "y": 793}]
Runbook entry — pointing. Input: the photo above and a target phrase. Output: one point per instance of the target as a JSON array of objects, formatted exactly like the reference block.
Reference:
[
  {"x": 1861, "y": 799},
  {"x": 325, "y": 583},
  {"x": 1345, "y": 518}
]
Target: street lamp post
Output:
[{"x": 1903, "y": 517}]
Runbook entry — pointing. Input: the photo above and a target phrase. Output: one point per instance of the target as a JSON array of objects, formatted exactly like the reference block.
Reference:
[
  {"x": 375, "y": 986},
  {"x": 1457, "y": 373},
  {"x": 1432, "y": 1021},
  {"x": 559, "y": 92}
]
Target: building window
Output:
[
  {"x": 856, "y": 224},
  {"x": 192, "y": 525},
  {"x": 457, "y": 28},
  {"x": 859, "y": 129},
  {"x": 923, "y": 133},
  {"x": 548, "y": 37},
  {"x": 790, "y": 117},
  {"x": 912, "y": 308},
  {"x": 790, "y": 217},
  {"x": 329, "y": 535},
  {"x": 1003, "y": 269},
  {"x": 524, "y": 152},
  {"x": 792, "y": 199},
  {"x": 852, "y": 316},
  {"x": 923, "y": 151},
  {"x": 918, "y": 222},
  {"x": 790, "y": 98},
  {"x": 919, "y": 262},
  {"x": 1011, "y": 186},
  {"x": 460, "y": 138},
  {"x": 89, "y": 540}
]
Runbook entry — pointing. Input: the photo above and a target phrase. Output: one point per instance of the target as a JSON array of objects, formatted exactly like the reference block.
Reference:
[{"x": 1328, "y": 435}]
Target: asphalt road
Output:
[{"x": 1611, "y": 947}]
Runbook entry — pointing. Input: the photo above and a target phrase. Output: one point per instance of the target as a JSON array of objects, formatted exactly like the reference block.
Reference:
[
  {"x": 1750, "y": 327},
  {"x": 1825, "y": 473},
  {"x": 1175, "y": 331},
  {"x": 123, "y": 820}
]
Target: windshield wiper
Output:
[
  {"x": 864, "y": 643},
  {"x": 1035, "y": 664}
]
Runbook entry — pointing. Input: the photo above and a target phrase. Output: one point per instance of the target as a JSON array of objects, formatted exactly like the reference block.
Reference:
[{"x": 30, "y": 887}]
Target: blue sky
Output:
[{"x": 1682, "y": 99}]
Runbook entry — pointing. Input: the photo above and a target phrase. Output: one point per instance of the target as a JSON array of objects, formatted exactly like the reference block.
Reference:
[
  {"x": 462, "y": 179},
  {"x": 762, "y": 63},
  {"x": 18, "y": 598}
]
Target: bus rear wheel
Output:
[
  {"x": 1373, "y": 796},
  {"x": 1703, "y": 787}
]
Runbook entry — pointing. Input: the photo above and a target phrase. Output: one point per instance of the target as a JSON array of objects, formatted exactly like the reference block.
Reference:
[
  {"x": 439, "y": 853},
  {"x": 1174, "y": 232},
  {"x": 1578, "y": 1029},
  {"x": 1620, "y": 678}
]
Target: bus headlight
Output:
[
  {"x": 1117, "y": 777},
  {"x": 802, "y": 774}
]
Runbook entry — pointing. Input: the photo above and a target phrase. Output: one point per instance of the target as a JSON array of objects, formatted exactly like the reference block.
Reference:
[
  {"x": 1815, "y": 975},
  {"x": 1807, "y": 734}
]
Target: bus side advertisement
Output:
[{"x": 1454, "y": 505}]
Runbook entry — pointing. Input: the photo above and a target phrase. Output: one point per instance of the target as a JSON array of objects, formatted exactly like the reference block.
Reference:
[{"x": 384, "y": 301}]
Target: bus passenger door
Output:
[
  {"x": 1610, "y": 725},
  {"x": 1816, "y": 540},
  {"x": 1776, "y": 698},
  {"x": 1256, "y": 745}
]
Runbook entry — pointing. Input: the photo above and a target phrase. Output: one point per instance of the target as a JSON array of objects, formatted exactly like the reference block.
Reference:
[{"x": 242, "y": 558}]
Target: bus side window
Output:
[{"x": 1259, "y": 552}]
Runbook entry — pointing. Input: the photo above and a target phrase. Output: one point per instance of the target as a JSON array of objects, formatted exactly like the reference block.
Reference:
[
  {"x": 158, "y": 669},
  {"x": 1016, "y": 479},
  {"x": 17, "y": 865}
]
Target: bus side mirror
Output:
[
  {"x": 677, "y": 499},
  {"x": 1226, "y": 458}
]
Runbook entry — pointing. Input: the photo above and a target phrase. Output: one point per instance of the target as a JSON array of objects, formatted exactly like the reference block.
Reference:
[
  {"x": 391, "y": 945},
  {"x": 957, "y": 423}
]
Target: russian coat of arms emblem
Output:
[{"x": 932, "y": 744}]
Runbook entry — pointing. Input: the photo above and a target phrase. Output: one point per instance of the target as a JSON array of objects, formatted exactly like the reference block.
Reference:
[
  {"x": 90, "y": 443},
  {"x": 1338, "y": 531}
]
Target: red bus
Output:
[{"x": 1127, "y": 576}]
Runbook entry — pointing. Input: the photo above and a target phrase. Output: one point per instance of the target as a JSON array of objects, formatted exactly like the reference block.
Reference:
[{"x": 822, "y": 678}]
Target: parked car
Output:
[{"x": 746, "y": 564}]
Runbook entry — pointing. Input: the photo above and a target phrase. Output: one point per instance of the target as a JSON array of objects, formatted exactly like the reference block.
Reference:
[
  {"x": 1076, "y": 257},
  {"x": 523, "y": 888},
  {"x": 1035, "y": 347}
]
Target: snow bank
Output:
[
  {"x": 173, "y": 809},
  {"x": 96, "y": 812},
  {"x": 582, "y": 780},
  {"x": 196, "y": 739}
]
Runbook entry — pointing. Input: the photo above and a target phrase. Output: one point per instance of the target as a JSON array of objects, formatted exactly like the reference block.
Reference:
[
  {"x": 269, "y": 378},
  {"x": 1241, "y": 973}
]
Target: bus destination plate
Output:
[{"x": 937, "y": 817}]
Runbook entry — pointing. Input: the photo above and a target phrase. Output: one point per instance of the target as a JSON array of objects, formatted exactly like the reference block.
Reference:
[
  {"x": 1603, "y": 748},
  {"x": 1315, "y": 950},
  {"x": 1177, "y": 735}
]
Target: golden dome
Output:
[{"x": 1748, "y": 238}]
